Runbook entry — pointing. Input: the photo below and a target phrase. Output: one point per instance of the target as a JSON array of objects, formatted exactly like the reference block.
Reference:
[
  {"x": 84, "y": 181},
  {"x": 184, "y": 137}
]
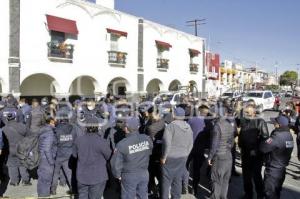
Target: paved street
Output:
[{"x": 291, "y": 188}]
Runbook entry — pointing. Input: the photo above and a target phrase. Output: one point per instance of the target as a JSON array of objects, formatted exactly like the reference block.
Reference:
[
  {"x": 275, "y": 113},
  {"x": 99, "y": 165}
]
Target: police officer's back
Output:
[
  {"x": 92, "y": 153},
  {"x": 220, "y": 156},
  {"x": 130, "y": 161},
  {"x": 14, "y": 132},
  {"x": 279, "y": 148},
  {"x": 65, "y": 137}
]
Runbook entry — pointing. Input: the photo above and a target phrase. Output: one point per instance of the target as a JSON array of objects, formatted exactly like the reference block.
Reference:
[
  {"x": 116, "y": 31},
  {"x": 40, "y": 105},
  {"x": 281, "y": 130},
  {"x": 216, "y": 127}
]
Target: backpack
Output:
[{"x": 28, "y": 152}]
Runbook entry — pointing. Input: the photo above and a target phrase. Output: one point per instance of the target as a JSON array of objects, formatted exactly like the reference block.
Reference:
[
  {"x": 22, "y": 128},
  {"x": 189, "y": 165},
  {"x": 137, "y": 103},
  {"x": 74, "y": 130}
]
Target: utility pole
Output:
[{"x": 195, "y": 23}]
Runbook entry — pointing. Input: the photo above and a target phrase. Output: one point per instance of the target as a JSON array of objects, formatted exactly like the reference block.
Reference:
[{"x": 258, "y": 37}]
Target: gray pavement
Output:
[{"x": 291, "y": 188}]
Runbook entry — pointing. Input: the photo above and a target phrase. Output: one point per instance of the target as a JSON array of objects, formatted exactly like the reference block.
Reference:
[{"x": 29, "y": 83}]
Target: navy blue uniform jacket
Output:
[{"x": 92, "y": 153}]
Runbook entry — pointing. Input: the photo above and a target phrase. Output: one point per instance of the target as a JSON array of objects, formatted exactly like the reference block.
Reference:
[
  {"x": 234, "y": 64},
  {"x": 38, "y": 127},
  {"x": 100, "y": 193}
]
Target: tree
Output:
[
  {"x": 272, "y": 87},
  {"x": 288, "y": 78}
]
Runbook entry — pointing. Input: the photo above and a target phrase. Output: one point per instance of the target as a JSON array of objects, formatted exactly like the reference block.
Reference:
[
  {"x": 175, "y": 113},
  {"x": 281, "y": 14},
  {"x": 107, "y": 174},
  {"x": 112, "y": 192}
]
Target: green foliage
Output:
[
  {"x": 272, "y": 87},
  {"x": 288, "y": 78}
]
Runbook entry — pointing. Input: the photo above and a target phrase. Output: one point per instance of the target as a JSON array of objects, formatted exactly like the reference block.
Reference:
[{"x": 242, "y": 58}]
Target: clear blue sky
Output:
[{"x": 245, "y": 31}]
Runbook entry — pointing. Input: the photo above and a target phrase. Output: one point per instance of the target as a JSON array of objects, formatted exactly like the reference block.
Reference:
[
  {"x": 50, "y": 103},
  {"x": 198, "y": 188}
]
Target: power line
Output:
[{"x": 195, "y": 23}]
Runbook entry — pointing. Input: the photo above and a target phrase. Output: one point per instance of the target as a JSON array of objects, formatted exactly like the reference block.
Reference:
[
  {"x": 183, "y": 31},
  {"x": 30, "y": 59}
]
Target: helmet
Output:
[
  {"x": 44, "y": 101},
  {"x": 11, "y": 116}
]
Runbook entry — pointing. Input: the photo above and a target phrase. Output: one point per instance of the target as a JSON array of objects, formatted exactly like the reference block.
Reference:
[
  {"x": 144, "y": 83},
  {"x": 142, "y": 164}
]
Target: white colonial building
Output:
[{"x": 76, "y": 47}]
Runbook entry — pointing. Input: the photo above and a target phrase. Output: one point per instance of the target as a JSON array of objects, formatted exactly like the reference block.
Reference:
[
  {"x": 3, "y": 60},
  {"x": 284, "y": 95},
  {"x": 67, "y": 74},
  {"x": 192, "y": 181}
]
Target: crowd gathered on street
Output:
[{"x": 143, "y": 149}]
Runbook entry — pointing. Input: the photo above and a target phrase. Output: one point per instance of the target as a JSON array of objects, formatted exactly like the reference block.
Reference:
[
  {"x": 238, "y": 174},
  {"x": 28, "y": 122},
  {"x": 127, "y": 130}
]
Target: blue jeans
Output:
[{"x": 134, "y": 185}]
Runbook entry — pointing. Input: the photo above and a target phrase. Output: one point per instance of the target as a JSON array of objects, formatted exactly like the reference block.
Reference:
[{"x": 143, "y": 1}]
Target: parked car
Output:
[
  {"x": 173, "y": 98},
  {"x": 289, "y": 94},
  {"x": 263, "y": 99},
  {"x": 235, "y": 95}
]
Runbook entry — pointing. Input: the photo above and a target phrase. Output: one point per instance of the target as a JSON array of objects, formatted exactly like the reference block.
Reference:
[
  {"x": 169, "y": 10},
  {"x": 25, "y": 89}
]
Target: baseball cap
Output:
[
  {"x": 281, "y": 120},
  {"x": 179, "y": 112},
  {"x": 132, "y": 123}
]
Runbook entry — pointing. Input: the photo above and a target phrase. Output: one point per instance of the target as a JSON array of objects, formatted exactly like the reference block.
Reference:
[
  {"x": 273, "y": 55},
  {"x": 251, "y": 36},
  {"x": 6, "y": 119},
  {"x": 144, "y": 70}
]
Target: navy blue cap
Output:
[
  {"x": 281, "y": 120},
  {"x": 179, "y": 112},
  {"x": 132, "y": 123}
]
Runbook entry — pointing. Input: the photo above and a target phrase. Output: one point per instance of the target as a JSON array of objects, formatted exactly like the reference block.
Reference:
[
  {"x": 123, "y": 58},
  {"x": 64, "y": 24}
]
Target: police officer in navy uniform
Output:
[
  {"x": 279, "y": 148},
  {"x": 14, "y": 132},
  {"x": 130, "y": 161},
  {"x": 220, "y": 156},
  {"x": 47, "y": 150},
  {"x": 4, "y": 177},
  {"x": 65, "y": 136},
  {"x": 92, "y": 153}
]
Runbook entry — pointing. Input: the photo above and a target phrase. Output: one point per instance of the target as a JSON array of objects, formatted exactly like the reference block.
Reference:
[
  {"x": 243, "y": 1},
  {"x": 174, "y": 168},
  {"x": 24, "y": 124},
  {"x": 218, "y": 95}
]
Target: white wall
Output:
[
  {"x": 4, "y": 47},
  {"x": 90, "y": 56},
  {"x": 178, "y": 55}
]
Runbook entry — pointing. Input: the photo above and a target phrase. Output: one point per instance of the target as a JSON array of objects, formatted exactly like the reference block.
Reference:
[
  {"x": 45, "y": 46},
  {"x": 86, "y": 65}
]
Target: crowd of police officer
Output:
[{"x": 145, "y": 149}]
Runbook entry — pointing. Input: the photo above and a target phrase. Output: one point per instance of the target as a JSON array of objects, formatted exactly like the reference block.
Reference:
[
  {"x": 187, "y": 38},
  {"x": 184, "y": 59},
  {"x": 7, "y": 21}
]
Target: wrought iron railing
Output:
[
  {"x": 60, "y": 50},
  {"x": 116, "y": 57},
  {"x": 193, "y": 67},
  {"x": 162, "y": 63}
]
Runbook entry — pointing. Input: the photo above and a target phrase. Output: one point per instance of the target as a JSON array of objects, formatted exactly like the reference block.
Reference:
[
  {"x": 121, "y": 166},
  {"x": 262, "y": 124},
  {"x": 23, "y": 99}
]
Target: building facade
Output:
[
  {"x": 228, "y": 76},
  {"x": 212, "y": 73},
  {"x": 75, "y": 47}
]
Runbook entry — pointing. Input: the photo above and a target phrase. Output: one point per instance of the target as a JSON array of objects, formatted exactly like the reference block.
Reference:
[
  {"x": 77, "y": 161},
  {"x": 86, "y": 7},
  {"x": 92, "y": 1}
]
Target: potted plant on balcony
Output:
[{"x": 120, "y": 57}]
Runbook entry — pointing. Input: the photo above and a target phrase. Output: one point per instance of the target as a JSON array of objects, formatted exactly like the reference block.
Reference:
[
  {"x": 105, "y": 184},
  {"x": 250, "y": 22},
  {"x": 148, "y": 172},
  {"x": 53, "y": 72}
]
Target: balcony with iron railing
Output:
[
  {"x": 117, "y": 58},
  {"x": 194, "y": 68},
  {"x": 162, "y": 64},
  {"x": 60, "y": 52}
]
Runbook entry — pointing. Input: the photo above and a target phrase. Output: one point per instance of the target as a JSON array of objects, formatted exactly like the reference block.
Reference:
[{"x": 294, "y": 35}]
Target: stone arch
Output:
[
  {"x": 84, "y": 86},
  {"x": 39, "y": 84},
  {"x": 154, "y": 86},
  {"x": 118, "y": 86},
  {"x": 174, "y": 85}
]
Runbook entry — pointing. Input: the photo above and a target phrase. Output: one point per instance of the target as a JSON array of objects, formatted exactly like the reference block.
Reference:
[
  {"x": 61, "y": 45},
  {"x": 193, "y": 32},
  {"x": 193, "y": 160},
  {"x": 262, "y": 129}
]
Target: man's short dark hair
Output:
[
  {"x": 48, "y": 118},
  {"x": 202, "y": 107},
  {"x": 34, "y": 100},
  {"x": 23, "y": 99}
]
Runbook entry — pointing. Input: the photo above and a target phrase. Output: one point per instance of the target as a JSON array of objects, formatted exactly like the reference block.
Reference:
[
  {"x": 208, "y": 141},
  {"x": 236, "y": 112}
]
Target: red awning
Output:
[
  {"x": 117, "y": 32},
  {"x": 194, "y": 52},
  {"x": 163, "y": 44},
  {"x": 62, "y": 25}
]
